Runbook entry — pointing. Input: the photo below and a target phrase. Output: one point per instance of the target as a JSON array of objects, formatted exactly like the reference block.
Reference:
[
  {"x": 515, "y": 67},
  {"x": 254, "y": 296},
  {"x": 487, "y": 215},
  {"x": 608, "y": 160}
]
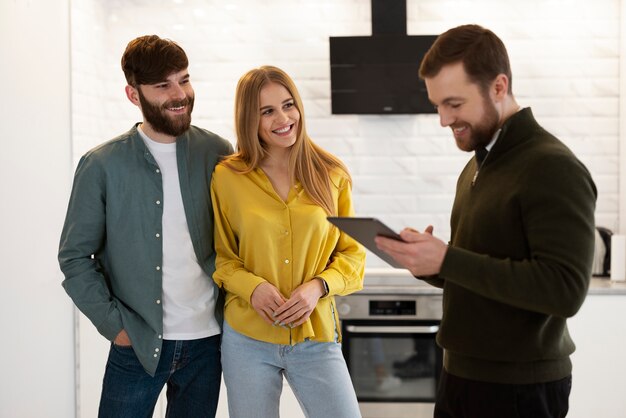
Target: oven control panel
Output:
[
  {"x": 389, "y": 306},
  {"x": 392, "y": 307}
]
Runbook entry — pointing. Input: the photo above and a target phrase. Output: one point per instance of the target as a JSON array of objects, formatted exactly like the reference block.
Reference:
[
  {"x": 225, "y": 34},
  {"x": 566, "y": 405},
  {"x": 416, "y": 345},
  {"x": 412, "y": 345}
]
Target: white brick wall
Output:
[{"x": 564, "y": 54}]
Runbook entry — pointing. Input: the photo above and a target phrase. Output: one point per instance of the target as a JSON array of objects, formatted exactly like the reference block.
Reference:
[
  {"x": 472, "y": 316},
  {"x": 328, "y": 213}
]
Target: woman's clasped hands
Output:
[{"x": 270, "y": 304}]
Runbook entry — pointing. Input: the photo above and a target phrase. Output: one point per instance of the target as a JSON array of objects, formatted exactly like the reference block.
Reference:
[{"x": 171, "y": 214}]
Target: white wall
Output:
[
  {"x": 599, "y": 363},
  {"x": 565, "y": 56},
  {"x": 37, "y": 350},
  {"x": 622, "y": 123}
]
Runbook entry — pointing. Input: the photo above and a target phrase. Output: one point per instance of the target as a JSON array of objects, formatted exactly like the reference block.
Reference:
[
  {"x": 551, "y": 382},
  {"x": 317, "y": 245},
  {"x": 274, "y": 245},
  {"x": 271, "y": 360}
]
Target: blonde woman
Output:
[{"x": 278, "y": 258}]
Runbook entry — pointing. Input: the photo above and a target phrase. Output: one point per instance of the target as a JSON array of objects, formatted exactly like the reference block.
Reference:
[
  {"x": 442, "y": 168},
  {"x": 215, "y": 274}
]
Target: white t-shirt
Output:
[{"x": 188, "y": 293}]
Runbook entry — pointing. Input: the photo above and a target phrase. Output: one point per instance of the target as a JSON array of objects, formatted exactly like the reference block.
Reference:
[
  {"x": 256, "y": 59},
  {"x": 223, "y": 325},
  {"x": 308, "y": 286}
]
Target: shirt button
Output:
[
  {"x": 158, "y": 171},
  {"x": 158, "y": 202},
  {"x": 158, "y": 301},
  {"x": 286, "y": 232},
  {"x": 158, "y": 235},
  {"x": 156, "y": 355},
  {"x": 156, "y": 350},
  {"x": 158, "y": 268},
  {"x": 286, "y": 261},
  {"x": 160, "y": 336}
]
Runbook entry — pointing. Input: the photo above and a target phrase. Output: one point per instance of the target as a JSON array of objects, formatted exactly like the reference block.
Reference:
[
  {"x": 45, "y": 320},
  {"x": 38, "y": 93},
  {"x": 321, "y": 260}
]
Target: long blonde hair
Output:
[{"x": 308, "y": 163}]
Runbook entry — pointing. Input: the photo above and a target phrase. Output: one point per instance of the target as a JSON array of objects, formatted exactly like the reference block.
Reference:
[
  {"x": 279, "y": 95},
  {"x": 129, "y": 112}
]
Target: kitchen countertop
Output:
[{"x": 390, "y": 281}]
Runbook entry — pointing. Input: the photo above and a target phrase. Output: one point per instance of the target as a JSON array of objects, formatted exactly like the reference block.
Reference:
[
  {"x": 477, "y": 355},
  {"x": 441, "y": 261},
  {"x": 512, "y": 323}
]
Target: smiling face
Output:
[
  {"x": 166, "y": 106},
  {"x": 470, "y": 112},
  {"x": 278, "y": 125}
]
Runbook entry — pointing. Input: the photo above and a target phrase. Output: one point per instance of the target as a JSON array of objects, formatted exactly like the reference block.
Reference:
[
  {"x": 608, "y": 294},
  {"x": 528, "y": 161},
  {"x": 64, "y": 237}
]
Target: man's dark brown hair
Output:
[
  {"x": 482, "y": 53},
  {"x": 150, "y": 60}
]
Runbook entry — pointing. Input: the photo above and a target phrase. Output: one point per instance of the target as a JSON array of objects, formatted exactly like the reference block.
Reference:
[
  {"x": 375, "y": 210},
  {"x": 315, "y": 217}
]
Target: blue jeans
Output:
[
  {"x": 316, "y": 372},
  {"x": 191, "y": 369}
]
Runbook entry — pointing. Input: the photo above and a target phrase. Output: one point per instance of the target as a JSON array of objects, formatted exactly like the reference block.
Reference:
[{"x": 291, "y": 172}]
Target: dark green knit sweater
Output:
[{"x": 519, "y": 261}]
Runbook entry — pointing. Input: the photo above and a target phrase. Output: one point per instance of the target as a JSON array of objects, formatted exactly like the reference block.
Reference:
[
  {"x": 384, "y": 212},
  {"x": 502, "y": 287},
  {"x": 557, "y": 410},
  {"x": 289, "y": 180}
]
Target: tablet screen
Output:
[{"x": 364, "y": 230}]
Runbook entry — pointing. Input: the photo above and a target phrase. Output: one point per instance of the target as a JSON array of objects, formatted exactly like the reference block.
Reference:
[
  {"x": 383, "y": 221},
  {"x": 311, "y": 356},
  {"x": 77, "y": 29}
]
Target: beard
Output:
[
  {"x": 482, "y": 133},
  {"x": 156, "y": 115}
]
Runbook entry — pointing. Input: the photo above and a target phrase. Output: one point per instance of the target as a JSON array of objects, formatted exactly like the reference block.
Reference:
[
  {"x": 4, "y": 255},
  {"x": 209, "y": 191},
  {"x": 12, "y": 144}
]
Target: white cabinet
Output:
[{"x": 599, "y": 373}]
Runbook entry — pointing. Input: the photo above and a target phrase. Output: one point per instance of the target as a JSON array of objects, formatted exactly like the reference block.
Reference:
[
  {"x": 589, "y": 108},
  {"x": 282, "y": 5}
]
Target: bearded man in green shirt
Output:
[
  {"x": 522, "y": 240},
  {"x": 137, "y": 245}
]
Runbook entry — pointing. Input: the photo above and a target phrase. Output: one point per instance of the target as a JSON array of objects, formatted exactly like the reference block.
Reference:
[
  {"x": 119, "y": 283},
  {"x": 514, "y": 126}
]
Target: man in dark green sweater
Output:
[{"x": 522, "y": 240}]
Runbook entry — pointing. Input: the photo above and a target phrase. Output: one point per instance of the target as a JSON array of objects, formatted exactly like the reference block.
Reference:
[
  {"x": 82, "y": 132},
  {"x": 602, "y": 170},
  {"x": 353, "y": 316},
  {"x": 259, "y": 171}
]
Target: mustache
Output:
[{"x": 177, "y": 103}]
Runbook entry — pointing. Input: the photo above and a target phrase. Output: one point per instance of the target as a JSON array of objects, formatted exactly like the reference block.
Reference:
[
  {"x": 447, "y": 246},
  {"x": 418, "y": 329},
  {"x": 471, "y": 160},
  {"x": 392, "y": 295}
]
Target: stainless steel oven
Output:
[{"x": 389, "y": 346}]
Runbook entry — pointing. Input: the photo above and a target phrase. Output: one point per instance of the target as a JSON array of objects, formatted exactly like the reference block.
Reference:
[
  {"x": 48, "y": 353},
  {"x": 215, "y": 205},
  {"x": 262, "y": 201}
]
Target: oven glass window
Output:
[{"x": 399, "y": 367}]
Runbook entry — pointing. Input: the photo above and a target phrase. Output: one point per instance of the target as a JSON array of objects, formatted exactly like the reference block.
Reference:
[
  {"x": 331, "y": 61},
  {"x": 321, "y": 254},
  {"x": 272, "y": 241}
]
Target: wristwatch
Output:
[{"x": 326, "y": 289}]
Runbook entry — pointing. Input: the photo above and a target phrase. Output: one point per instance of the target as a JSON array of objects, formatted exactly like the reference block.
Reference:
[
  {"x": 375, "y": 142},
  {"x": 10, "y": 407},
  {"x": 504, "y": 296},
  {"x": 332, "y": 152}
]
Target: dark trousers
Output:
[
  {"x": 463, "y": 398},
  {"x": 191, "y": 369}
]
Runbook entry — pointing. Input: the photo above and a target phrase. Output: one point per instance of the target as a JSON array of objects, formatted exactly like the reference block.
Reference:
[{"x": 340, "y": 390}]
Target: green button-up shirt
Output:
[{"x": 111, "y": 246}]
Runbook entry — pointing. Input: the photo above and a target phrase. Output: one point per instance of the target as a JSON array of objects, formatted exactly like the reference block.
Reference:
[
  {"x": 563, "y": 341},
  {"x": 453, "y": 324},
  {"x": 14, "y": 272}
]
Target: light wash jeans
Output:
[{"x": 317, "y": 373}]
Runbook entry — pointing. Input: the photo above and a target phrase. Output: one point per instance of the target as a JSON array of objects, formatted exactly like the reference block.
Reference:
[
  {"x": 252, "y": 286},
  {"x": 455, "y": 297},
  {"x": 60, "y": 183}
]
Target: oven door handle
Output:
[{"x": 366, "y": 329}]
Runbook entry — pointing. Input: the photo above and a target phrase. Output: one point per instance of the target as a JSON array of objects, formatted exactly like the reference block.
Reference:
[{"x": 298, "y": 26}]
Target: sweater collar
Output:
[{"x": 515, "y": 130}]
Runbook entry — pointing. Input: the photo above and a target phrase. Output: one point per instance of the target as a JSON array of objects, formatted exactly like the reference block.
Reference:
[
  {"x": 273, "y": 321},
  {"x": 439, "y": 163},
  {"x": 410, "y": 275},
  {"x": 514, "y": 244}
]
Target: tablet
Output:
[{"x": 365, "y": 230}]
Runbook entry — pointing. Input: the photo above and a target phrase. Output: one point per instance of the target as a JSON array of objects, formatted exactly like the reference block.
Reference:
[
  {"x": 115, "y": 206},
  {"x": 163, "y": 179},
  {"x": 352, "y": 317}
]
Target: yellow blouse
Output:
[{"x": 261, "y": 238}]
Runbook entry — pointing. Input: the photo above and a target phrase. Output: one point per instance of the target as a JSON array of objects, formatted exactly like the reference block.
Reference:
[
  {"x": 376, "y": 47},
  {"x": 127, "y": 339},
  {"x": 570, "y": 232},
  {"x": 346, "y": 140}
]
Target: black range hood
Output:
[{"x": 378, "y": 74}]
